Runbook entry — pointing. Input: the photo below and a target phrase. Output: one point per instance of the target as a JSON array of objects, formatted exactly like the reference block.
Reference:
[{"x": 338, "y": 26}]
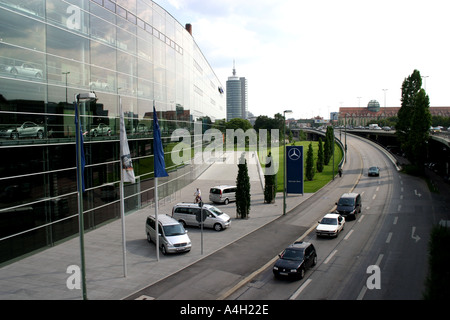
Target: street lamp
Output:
[
  {"x": 81, "y": 97},
  {"x": 284, "y": 160}
]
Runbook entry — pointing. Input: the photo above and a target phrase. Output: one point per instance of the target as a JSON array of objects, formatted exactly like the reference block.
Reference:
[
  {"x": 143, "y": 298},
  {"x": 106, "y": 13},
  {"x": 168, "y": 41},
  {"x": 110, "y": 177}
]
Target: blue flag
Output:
[
  {"x": 158, "y": 152},
  {"x": 79, "y": 141}
]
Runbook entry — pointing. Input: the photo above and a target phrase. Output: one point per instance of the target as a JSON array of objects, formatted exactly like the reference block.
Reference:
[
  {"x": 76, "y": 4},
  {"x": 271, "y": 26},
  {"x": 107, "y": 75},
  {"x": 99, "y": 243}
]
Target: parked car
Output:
[
  {"x": 27, "y": 129},
  {"x": 330, "y": 225},
  {"x": 172, "y": 235},
  {"x": 26, "y": 69},
  {"x": 349, "y": 205},
  {"x": 222, "y": 194},
  {"x": 186, "y": 213},
  {"x": 373, "y": 171},
  {"x": 101, "y": 130},
  {"x": 295, "y": 260}
]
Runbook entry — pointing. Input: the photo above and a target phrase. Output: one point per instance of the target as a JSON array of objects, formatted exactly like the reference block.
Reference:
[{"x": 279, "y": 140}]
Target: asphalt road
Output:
[{"x": 391, "y": 234}]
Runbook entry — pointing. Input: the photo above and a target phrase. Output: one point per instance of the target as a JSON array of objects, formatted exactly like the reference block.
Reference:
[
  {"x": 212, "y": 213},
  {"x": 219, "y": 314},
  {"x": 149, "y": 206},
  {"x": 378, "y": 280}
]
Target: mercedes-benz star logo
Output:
[{"x": 294, "y": 154}]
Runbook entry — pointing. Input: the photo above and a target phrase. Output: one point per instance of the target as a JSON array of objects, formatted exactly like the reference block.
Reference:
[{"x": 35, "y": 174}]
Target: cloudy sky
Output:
[{"x": 314, "y": 56}]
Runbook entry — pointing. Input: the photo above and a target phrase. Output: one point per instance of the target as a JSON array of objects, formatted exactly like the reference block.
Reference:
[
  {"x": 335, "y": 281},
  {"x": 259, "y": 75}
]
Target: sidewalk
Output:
[{"x": 43, "y": 276}]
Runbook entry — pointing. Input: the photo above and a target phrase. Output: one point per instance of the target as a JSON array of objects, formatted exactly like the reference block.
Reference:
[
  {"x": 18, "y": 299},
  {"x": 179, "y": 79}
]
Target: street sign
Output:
[{"x": 294, "y": 169}]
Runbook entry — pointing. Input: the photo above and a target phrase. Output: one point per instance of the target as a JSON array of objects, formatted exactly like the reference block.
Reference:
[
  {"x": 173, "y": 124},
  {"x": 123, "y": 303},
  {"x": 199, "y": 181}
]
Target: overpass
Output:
[{"x": 438, "y": 151}]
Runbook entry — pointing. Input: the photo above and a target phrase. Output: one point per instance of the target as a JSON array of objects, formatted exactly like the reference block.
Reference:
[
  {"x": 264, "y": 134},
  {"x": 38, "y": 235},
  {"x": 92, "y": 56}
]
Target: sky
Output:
[{"x": 315, "y": 56}]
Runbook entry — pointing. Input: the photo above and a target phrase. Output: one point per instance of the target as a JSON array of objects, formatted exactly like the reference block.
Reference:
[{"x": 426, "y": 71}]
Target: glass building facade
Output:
[{"x": 131, "y": 51}]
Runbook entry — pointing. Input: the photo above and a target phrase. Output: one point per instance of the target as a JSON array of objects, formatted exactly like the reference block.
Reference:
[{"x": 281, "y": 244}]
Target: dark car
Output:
[
  {"x": 295, "y": 260},
  {"x": 349, "y": 205},
  {"x": 374, "y": 171}
]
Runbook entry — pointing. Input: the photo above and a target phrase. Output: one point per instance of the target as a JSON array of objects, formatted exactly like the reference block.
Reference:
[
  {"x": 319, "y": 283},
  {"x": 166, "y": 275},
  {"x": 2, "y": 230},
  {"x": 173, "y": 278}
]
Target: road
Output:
[{"x": 391, "y": 233}]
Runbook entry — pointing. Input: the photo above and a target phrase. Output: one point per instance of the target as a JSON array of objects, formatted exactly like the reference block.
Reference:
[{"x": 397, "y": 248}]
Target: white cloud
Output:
[{"x": 314, "y": 56}]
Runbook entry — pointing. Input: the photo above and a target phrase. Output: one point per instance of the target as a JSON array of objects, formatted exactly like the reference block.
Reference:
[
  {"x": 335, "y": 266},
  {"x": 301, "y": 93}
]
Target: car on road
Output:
[
  {"x": 349, "y": 205},
  {"x": 373, "y": 172},
  {"x": 27, "y": 129},
  {"x": 330, "y": 225},
  {"x": 173, "y": 237},
  {"x": 295, "y": 260}
]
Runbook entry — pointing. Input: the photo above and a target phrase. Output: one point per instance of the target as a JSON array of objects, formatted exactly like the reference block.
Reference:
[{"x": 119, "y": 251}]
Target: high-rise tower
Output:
[{"x": 237, "y": 97}]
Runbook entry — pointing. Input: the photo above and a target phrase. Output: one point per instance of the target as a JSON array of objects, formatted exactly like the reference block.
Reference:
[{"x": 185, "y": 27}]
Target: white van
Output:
[
  {"x": 172, "y": 235},
  {"x": 186, "y": 214},
  {"x": 222, "y": 194}
]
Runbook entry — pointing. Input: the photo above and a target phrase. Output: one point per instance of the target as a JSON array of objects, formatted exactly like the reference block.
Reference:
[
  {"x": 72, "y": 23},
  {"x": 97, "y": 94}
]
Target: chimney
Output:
[{"x": 189, "y": 28}]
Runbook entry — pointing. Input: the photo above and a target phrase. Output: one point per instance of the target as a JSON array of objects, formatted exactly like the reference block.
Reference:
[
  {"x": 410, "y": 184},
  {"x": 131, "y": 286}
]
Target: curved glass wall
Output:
[{"x": 51, "y": 50}]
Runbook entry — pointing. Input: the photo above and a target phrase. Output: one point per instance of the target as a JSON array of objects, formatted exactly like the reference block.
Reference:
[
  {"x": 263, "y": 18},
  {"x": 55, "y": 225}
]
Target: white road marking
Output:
[
  {"x": 389, "y": 237},
  {"x": 299, "y": 290},
  {"x": 329, "y": 257},
  {"x": 348, "y": 234}
]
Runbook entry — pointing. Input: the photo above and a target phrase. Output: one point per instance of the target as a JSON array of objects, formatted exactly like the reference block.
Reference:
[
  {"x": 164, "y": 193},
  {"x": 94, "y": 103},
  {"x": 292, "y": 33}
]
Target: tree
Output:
[
  {"x": 243, "y": 189},
  {"x": 310, "y": 163},
  {"x": 410, "y": 87},
  {"x": 328, "y": 147},
  {"x": 238, "y": 123},
  {"x": 421, "y": 122},
  {"x": 414, "y": 119},
  {"x": 320, "y": 155}
]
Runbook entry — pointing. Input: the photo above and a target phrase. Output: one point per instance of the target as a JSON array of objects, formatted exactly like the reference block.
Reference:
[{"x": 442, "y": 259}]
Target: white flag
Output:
[{"x": 127, "y": 165}]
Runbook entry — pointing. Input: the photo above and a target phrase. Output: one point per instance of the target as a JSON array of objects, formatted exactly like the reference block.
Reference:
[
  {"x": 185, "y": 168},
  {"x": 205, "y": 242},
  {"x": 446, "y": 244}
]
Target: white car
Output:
[{"x": 330, "y": 225}]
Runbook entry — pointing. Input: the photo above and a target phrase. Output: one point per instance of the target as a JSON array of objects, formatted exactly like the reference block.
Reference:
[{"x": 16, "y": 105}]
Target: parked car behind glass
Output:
[{"x": 27, "y": 129}]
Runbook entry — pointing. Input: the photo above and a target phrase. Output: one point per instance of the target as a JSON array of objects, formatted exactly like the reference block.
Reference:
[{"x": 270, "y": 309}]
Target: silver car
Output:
[
  {"x": 101, "y": 130},
  {"x": 26, "y": 69},
  {"x": 173, "y": 237},
  {"x": 187, "y": 213},
  {"x": 27, "y": 129}
]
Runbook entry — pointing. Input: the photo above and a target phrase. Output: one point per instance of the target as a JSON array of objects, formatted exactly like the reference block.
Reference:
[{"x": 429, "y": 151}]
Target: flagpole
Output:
[
  {"x": 156, "y": 218},
  {"x": 80, "y": 198},
  {"x": 159, "y": 168},
  {"x": 122, "y": 204}
]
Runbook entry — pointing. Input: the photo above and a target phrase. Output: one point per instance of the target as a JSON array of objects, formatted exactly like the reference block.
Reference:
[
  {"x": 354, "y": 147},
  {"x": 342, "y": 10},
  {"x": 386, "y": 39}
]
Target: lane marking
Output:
[
  {"x": 389, "y": 237},
  {"x": 362, "y": 293},
  {"x": 374, "y": 196},
  {"x": 395, "y": 220},
  {"x": 299, "y": 290},
  {"x": 348, "y": 234},
  {"x": 399, "y": 207},
  {"x": 329, "y": 257},
  {"x": 361, "y": 218}
]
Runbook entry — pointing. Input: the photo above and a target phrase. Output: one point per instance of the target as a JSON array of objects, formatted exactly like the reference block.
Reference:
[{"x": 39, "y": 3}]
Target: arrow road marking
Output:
[
  {"x": 414, "y": 236},
  {"x": 417, "y": 194}
]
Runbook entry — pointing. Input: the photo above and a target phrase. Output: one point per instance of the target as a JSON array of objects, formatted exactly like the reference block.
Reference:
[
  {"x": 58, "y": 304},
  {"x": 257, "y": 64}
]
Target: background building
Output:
[
  {"x": 51, "y": 50},
  {"x": 237, "y": 97},
  {"x": 373, "y": 112}
]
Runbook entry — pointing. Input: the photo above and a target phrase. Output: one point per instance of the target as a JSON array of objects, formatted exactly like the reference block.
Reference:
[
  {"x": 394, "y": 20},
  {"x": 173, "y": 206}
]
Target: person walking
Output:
[{"x": 198, "y": 195}]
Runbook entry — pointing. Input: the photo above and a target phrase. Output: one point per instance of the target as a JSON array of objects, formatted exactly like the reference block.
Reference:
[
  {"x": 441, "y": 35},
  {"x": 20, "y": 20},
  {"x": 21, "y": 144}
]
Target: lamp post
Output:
[
  {"x": 81, "y": 97},
  {"x": 284, "y": 160}
]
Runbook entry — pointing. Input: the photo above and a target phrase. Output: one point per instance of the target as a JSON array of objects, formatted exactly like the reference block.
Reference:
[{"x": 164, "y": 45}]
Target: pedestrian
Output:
[
  {"x": 340, "y": 172},
  {"x": 198, "y": 195}
]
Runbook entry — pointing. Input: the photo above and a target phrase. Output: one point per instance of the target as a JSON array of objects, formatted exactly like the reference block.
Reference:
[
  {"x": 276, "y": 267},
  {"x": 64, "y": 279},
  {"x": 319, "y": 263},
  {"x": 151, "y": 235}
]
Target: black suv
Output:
[{"x": 295, "y": 260}]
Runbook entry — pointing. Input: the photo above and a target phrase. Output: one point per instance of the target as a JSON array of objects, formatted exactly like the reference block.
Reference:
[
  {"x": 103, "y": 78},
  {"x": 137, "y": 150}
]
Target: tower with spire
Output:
[{"x": 237, "y": 96}]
